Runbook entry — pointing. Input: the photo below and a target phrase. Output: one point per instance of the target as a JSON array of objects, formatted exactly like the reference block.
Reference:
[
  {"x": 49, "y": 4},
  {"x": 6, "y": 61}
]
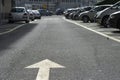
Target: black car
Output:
[
  {"x": 86, "y": 8},
  {"x": 68, "y": 11},
  {"x": 44, "y": 12},
  {"x": 59, "y": 11},
  {"x": 114, "y": 20},
  {"x": 72, "y": 14}
]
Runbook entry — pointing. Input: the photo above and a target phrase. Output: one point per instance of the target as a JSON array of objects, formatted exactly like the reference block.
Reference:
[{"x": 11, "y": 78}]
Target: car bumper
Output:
[{"x": 37, "y": 16}]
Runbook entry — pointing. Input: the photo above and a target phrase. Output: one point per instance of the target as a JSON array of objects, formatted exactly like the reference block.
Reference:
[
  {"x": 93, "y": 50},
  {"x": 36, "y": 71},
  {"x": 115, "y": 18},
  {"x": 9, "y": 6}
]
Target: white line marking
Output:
[
  {"x": 112, "y": 38},
  {"x": 44, "y": 68},
  {"x": 12, "y": 29}
]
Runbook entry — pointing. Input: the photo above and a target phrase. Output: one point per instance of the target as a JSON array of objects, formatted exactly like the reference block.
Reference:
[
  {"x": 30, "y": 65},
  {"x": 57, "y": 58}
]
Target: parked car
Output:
[
  {"x": 36, "y": 14},
  {"x": 49, "y": 13},
  {"x": 86, "y": 8},
  {"x": 114, "y": 20},
  {"x": 102, "y": 16},
  {"x": 45, "y": 12},
  {"x": 89, "y": 15},
  {"x": 19, "y": 14},
  {"x": 70, "y": 16},
  {"x": 31, "y": 14},
  {"x": 68, "y": 11},
  {"x": 59, "y": 11}
]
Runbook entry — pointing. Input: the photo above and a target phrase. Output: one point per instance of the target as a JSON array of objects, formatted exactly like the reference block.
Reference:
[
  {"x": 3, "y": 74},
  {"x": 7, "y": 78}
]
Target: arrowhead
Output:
[{"x": 45, "y": 64}]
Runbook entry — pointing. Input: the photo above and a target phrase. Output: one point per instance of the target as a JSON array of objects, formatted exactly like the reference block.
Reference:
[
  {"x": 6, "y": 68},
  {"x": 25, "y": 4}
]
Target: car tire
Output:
[
  {"x": 33, "y": 19},
  {"x": 118, "y": 24},
  {"x": 104, "y": 21},
  {"x": 10, "y": 21},
  {"x": 27, "y": 21},
  {"x": 85, "y": 19},
  {"x": 76, "y": 18}
]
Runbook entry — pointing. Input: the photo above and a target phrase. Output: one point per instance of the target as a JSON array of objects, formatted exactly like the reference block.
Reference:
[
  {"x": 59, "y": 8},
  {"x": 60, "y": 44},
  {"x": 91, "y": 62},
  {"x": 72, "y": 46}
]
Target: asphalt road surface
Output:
[{"x": 83, "y": 54}]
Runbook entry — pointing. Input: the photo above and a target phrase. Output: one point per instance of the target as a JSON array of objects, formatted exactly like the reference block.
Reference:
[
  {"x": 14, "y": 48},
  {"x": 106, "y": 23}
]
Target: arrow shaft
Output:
[{"x": 43, "y": 74}]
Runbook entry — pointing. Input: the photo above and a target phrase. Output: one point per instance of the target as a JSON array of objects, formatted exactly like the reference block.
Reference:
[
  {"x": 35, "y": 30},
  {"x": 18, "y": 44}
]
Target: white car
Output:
[
  {"x": 31, "y": 14},
  {"x": 19, "y": 14},
  {"x": 37, "y": 14}
]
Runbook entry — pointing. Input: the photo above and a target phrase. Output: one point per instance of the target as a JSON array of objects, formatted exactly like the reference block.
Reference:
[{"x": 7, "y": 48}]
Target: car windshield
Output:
[
  {"x": 17, "y": 10},
  {"x": 100, "y": 8},
  {"x": 87, "y": 8},
  {"x": 117, "y": 5},
  {"x": 35, "y": 11}
]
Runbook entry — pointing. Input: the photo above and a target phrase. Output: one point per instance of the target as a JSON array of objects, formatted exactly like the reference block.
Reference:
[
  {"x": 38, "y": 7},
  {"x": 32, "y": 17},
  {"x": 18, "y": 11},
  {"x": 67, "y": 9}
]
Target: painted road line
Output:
[
  {"x": 12, "y": 29},
  {"x": 44, "y": 68},
  {"x": 102, "y": 34}
]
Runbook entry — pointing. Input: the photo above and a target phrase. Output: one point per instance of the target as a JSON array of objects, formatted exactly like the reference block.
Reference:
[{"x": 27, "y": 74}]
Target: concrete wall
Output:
[
  {"x": 5, "y": 8},
  {"x": 0, "y": 11}
]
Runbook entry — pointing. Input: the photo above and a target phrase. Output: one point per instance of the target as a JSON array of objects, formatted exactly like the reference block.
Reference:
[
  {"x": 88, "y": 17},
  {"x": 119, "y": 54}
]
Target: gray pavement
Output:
[
  {"x": 7, "y": 27},
  {"x": 84, "y": 54}
]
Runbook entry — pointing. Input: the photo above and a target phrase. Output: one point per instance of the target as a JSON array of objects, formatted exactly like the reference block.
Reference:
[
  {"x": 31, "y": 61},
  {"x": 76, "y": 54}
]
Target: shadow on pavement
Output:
[
  {"x": 116, "y": 31},
  {"x": 7, "y": 39}
]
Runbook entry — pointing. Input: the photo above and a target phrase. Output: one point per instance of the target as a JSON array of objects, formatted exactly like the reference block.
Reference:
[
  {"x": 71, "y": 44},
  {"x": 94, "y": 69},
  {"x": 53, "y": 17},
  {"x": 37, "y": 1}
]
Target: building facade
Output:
[
  {"x": 52, "y": 4},
  {"x": 5, "y": 7}
]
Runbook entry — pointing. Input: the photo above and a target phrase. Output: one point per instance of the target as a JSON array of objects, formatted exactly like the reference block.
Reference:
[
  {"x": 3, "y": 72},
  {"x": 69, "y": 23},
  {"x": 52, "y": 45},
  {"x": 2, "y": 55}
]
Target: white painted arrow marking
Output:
[{"x": 44, "y": 68}]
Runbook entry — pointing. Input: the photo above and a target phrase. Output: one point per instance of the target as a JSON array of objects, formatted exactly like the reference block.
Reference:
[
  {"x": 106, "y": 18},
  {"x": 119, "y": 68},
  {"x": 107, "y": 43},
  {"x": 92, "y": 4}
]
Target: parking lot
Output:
[{"x": 109, "y": 33}]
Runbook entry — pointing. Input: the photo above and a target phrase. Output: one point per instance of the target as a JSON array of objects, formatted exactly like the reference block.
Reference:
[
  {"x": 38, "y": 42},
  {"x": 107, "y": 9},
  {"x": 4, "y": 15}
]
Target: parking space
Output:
[
  {"x": 111, "y": 33},
  {"x": 9, "y": 27}
]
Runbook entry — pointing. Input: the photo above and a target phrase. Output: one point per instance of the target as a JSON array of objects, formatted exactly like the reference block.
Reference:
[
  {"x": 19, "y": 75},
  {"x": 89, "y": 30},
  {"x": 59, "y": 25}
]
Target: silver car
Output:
[
  {"x": 19, "y": 14},
  {"x": 31, "y": 14},
  {"x": 37, "y": 14},
  {"x": 89, "y": 15}
]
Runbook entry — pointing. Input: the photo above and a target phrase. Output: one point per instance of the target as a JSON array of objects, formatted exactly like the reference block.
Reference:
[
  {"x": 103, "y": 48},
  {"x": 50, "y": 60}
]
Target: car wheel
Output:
[
  {"x": 85, "y": 19},
  {"x": 39, "y": 17},
  {"x": 104, "y": 22},
  {"x": 10, "y": 21},
  {"x": 118, "y": 24},
  {"x": 76, "y": 18},
  {"x": 27, "y": 21},
  {"x": 33, "y": 19}
]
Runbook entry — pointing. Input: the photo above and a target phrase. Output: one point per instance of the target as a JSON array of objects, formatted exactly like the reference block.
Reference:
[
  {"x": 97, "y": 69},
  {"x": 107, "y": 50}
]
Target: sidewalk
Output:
[{"x": 6, "y": 28}]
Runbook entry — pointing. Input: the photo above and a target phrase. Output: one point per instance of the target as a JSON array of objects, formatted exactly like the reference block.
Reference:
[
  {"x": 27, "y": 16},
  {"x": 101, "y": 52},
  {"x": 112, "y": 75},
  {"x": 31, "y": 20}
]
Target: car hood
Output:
[
  {"x": 85, "y": 12},
  {"x": 118, "y": 12}
]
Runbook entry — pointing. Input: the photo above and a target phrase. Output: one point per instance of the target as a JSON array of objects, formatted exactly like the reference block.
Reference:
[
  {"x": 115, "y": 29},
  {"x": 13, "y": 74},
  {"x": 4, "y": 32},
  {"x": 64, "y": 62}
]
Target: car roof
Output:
[
  {"x": 104, "y": 5},
  {"x": 19, "y": 7}
]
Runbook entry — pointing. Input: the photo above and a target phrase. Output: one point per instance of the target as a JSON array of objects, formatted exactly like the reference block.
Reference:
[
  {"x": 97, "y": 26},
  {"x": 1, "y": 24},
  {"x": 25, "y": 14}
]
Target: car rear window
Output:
[{"x": 17, "y": 10}]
